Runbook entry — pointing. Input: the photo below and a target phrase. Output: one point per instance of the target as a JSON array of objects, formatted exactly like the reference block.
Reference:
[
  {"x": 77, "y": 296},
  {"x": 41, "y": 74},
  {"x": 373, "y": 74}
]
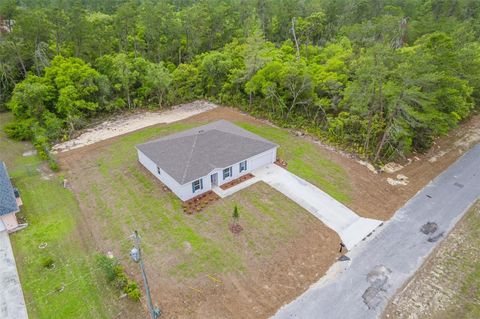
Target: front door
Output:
[{"x": 214, "y": 179}]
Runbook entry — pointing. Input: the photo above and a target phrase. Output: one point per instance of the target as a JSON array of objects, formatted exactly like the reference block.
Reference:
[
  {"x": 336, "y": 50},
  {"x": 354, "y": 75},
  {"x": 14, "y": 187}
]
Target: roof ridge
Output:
[
  {"x": 189, "y": 158},
  {"x": 194, "y": 153},
  {"x": 265, "y": 141}
]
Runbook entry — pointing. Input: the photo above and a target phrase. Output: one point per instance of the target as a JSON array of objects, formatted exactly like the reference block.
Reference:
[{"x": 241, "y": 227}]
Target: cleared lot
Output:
[
  {"x": 197, "y": 267},
  {"x": 54, "y": 217}
]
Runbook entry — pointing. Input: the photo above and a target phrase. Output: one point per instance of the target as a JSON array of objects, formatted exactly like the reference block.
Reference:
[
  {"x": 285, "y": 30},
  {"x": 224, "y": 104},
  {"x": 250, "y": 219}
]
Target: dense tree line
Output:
[{"x": 380, "y": 77}]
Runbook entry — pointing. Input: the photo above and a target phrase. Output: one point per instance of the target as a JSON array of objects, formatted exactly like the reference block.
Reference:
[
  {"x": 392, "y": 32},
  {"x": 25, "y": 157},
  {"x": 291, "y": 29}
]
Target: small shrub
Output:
[
  {"x": 40, "y": 142},
  {"x": 116, "y": 276},
  {"x": 19, "y": 130},
  {"x": 48, "y": 262},
  {"x": 132, "y": 290},
  {"x": 235, "y": 227},
  {"x": 235, "y": 214},
  {"x": 121, "y": 279},
  {"x": 108, "y": 265},
  {"x": 53, "y": 164}
]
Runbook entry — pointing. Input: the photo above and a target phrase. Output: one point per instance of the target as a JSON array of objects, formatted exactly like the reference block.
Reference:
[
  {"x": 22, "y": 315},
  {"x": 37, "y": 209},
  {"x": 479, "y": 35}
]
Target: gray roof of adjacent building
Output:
[
  {"x": 189, "y": 155},
  {"x": 8, "y": 202}
]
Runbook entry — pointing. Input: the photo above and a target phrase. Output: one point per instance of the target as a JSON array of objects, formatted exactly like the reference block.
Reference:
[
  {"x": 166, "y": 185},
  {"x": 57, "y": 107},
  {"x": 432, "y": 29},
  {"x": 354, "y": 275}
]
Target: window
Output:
[
  {"x": 158, "y": 170},
  {"x": 227, "y": 172},
  {"x": 197, "y": 185},
  {"x": 243, "y": 166}
]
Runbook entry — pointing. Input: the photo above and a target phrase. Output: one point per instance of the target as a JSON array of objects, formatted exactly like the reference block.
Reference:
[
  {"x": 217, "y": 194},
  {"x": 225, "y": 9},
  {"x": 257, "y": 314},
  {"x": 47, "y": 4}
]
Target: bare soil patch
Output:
[{"x": 375, "y": 197}]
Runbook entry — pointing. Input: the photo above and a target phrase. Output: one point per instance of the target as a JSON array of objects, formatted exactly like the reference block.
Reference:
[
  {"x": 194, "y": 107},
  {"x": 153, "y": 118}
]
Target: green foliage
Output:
[
  {"x": 132, "y": 290},
  {"x": 235, "y": 214},
  {"x": 123, "y": 72},
  {"x": 63, "y": 96},
  {"x": 380, "y": 78},
  {"x": 31, "y": 97},
  {"x": 156, "y": 84},
  {"x": 52, "y": 213},
  {"x": 185, "y": 83},
  {"x": 115, "y": 274},
  {"x": 108, "y": 266},
  {"x": 48, "y": 262},
  {"x": 19, "y": 129}
]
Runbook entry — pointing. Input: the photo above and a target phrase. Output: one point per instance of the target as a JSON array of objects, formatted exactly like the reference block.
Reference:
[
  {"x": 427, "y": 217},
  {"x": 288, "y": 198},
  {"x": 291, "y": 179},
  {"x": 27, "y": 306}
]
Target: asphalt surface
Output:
[{"x": 381, "y": 265}]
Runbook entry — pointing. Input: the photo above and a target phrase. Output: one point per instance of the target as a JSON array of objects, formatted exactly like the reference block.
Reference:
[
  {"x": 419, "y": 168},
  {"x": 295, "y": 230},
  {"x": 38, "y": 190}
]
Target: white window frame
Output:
[
  {"x": 243, "y": 166},
  {"x": 227, "y": 170},
  {"x": 197, "y": 185}
]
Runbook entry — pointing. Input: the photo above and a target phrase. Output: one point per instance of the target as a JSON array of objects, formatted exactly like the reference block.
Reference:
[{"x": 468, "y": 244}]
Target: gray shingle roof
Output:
[
  {"x": 8, "y": 202},
  {"x": 191, "y": 154}
]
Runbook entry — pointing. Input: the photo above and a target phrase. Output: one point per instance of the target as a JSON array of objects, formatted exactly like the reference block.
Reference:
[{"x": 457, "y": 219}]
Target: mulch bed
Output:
[
  {"x": 235, "y": 228},
  {"x": 236, "y": 181},
  {"x": 281, "y": 162},
  {"x": 198, "y": 203}
]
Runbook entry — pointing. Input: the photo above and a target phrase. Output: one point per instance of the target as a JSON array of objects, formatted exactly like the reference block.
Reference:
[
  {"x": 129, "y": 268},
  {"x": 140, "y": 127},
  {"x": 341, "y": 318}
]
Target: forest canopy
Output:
[{"x": 382, "y": 78}]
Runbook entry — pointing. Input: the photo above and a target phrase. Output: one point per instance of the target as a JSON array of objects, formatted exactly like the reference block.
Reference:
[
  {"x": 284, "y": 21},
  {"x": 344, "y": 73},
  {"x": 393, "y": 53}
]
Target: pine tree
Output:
[{"x": 235, "y": 215}]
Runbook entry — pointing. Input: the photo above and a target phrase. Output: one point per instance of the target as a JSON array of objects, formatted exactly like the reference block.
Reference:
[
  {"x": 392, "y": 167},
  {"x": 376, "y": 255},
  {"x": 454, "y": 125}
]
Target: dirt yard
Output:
[
  {"x": 448, "y": 284},
  {"x": 246, "y": 277}
]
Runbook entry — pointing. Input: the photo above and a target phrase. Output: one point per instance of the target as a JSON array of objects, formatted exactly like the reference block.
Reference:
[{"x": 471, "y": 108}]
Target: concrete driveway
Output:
[
  {"x": 12, "y": 303},
  {"x": 350, "y": 227},
  {"x": 381, "y": 266}
]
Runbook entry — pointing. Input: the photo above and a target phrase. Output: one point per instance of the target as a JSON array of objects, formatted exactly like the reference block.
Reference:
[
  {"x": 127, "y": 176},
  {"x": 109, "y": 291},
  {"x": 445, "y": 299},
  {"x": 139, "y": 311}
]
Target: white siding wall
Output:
[
  {"x": 9, "y": 220},
  {"x": 182, "y": 191},
  {"x": 185, "y": 191},
  {"x": 253, "y": 162}
]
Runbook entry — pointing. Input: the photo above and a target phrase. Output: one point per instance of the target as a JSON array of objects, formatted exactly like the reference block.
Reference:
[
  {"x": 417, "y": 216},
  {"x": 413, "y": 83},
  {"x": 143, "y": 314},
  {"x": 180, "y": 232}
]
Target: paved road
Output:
[
  {"x": 385, "y": 262},
  {"x": 12, "y": 304},
  {"x": 351, "y": 228}
]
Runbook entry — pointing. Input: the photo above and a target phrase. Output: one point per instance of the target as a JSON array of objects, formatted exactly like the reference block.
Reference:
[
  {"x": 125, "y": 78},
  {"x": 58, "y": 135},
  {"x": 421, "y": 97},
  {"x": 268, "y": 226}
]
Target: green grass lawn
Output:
[
  {"x": 119, "y": 195},
  {"x": 306, "y": 160},
  {"x": 52, "y": 213}
]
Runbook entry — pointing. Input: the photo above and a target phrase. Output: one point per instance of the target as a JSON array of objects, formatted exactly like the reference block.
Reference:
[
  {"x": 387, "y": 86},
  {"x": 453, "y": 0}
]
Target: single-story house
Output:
[
  {"x": 10, "y": 202},
  {"x": 197, "y": 160}
]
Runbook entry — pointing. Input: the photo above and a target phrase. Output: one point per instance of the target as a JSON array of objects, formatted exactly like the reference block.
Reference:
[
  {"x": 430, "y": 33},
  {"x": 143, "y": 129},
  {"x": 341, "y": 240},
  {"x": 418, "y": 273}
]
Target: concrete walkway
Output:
[
  {"x": 12, "y": 303},
  {"x": 383, "y": 264},
  {"x": 350, "y": 227}
]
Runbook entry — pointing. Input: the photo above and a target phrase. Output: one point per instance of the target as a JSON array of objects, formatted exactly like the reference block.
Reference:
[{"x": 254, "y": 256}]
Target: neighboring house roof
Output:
[
  {"x": 8, "y": 202},
  {"x": 192, "y": 154}
]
